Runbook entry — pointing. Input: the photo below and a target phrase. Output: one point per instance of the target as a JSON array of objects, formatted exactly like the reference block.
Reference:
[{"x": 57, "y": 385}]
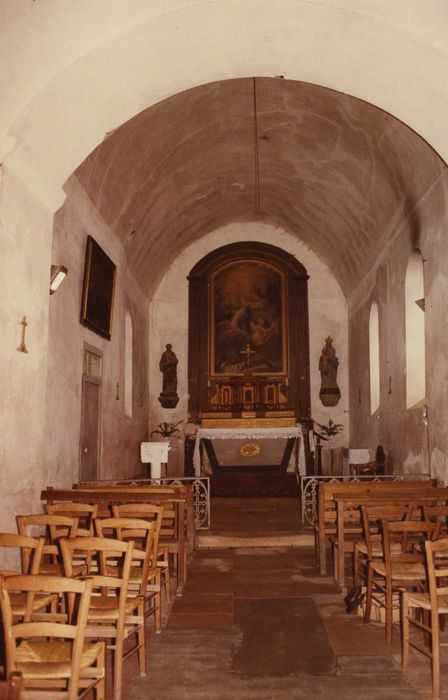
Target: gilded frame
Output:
[{"x": 282, "y": 319}]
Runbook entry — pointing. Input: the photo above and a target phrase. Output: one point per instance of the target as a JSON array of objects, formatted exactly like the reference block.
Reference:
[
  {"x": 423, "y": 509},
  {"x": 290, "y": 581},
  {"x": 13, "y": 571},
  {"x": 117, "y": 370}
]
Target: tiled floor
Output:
[{"x": 261, "y": 623}]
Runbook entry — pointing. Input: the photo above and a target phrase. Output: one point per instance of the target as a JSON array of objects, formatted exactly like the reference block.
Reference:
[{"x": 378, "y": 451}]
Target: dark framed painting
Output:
[
  {"x": 98, "y": 290},
  {"x": 247, "y": 324}
]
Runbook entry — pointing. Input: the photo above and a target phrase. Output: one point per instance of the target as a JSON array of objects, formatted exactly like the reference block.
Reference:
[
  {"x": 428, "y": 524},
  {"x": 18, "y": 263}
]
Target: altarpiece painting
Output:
[{"x": 248, "y": 320}]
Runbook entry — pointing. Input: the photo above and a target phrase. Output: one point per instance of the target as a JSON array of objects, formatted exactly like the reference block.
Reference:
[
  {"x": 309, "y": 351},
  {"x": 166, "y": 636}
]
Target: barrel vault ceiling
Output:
[{"x": 336, "y": 172}]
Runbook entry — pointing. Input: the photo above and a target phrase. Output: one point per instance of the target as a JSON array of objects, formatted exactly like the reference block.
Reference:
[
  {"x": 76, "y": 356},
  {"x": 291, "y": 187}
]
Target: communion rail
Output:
[
  {"x": 309, "y": 489},
  {"x": 200, "y": 487}
]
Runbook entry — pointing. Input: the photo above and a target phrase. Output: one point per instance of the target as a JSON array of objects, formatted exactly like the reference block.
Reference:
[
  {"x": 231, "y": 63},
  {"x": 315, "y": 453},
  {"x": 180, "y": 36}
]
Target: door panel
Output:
[{"x": 90, "y": 432}]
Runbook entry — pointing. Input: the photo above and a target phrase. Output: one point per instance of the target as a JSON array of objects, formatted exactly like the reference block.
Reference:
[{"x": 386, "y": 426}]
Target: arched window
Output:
[
  {"x": 374, "y": 355},
  {"x": 415, "y": 330},
  {"x": 128, "y": 366}
]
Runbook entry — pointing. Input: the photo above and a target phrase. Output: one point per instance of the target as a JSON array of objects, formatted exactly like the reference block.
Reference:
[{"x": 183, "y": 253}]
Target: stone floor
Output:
[{"x": 262, "y": 623}]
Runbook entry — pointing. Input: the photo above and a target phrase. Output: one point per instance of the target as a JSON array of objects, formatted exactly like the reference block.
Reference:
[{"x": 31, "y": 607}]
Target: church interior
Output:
[{"x": 223, "y": 232}]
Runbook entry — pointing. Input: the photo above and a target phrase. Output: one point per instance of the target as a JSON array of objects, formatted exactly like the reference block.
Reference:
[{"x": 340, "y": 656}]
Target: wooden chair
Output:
[
  {"x": 430, "y": 606},
  {"x": 84, "y": 512},
  {"x": 397, "y": 570},
  {"x": 52, "y": 654},
  {"x": 149, "y": 511},
  {"x": 31, "y": 550},
  {"x": 371, "y": 546},
  {"x": 144, "y": 578},
  {"x": 110, "y": 616},
  {"x": 12, "y": 688},
  {"x": 348, "y": 518},
  {"x": 437, "y": 514},
  {"x": 53, "y": 528}
]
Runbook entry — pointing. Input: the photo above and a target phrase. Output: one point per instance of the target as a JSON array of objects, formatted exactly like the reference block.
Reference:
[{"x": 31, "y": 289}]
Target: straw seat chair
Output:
[
  {"x": 31, "y": 549},
  {"x": 53, "y": 528},
  {"x": 113, "y": 615},
  {"x": 371, "y": 547},
  {"x": 84, "y": 512},
  {"x": 150, "y": 511},
  {"x": 145, "y": 576},
  {"x": 51, "y": 653},
  {"x": 429, "y": 605},
  {"x": 396, "y": 571}
]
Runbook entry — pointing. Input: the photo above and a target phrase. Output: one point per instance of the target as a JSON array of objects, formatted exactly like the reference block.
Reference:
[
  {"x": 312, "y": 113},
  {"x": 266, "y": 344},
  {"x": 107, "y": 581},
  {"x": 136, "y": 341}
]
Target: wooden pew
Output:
[
  {"x": 173, "y": 496},
  {"x": 327, "y": 511},
  {"x": 349, "y": 512}
]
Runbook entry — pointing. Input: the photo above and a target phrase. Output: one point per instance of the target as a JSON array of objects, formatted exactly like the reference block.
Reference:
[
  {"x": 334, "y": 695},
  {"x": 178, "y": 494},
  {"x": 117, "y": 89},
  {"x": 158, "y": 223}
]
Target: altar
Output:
[{"x": 250, "y": 439}]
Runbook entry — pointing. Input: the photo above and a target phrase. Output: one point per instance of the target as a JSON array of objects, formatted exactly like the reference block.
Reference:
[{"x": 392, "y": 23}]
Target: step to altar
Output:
[{"x": 238, "y": 484}]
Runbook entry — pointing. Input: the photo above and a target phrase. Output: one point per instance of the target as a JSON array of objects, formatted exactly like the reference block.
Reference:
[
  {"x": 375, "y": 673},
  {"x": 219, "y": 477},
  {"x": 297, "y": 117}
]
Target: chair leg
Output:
[
  {"x": 334, "y": 551},
  {"x": 356, "y": 577},
  {"x": 118, "y": 668},
  {"x": 158, "y": 613},
  {"x": 166, "y": 584},
  {"x": 404, "y": 631},
  {"x": 141, "y": 641},
  {"x": 435, "y": 656},
  {"x": 166, "y": 576},
  {"x": 389, "y": 612},
  {"x": 100, "y": 689},
  {"x": 369, "y": 591}
]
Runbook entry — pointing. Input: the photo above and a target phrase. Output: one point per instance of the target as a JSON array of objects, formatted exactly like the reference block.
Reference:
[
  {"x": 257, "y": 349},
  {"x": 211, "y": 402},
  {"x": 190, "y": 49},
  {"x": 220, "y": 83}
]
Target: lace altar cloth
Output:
[{"x": 248, "y": 434}]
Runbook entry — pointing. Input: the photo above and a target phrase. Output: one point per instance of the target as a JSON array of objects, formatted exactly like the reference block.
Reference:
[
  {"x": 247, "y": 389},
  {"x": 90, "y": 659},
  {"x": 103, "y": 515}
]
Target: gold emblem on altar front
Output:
[{"x": 250, "y": 449}]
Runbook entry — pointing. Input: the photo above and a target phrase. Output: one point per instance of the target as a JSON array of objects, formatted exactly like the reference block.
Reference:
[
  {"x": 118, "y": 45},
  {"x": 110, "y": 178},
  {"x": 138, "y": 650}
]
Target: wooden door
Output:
[{"x": 90, "y": 418}]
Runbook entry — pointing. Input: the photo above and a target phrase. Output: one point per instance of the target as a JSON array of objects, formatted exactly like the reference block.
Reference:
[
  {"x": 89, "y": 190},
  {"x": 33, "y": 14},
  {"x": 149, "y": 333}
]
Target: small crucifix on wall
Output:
[{"x": 22, "y": 346}]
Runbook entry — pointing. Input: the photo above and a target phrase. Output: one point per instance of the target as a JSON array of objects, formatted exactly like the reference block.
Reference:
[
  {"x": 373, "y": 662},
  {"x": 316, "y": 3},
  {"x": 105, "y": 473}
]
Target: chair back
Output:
[
  {"x": 437, "y": 560},
  {"x": 108, "y": 563},
  {"x": 84, "y": 512},
  {"x": 142, "y": 535},
  {"x": 30, "y": 548},
  {"x": 55, "y": 627},
  {"x": 412, "y": 535},
  {"x": 372, "y": 516},
  {"x": 142, "y": 511},
  {"x": 52, "y": 527},
  {"x": 437, "y": 514}
]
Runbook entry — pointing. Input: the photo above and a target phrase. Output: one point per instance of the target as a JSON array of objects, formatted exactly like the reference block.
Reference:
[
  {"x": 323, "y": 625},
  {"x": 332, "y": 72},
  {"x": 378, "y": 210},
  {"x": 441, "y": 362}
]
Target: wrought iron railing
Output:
[
  {"x": 201, "y": 492},
  {"x": 309, "y": 489}
]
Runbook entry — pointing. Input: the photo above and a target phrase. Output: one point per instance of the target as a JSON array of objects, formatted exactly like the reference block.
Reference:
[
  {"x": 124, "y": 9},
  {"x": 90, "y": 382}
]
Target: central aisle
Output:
[{"x": 261, "y": 623}]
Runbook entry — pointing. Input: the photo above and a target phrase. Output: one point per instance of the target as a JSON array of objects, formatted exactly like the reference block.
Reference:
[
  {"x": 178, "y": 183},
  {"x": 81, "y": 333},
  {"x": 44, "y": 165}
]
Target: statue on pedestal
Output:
[
  {"x": 168, "y": 366},
  {"x": 328, "y": 367}
]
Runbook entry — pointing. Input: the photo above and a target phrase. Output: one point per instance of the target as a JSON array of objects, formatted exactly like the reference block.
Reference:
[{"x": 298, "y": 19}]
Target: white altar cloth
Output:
[{"x": 294, "y": 431}]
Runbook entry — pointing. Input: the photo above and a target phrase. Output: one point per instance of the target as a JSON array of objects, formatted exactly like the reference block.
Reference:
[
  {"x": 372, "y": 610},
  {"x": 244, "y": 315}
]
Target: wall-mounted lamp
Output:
[{"x": 57, "y": 275}]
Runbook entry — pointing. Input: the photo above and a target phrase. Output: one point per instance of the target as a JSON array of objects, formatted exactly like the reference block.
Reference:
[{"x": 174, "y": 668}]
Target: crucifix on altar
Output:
[{"x": 247, "y": 352}]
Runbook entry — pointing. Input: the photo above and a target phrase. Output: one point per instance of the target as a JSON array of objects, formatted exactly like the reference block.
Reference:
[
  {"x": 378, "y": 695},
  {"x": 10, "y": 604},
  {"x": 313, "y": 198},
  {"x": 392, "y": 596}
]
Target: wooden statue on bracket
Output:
[
  {"x": 328, "y": 367},
  {"x": 168, "y": 366}
]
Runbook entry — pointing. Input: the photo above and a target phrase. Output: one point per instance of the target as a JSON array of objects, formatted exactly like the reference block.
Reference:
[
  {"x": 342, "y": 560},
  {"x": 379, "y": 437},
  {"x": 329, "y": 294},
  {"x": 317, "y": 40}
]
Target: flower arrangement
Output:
[{"x": 167, "y": 429}]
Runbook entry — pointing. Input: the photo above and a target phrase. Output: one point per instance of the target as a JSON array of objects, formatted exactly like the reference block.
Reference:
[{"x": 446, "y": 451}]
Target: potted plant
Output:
[
  {"x": 330, "y": 430},
  {"x": 166, "y": 430}
]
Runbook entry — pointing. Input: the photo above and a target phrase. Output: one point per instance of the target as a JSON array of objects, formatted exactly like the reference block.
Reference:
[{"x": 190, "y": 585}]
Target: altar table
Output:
[{"x": 250, "y": 434}]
